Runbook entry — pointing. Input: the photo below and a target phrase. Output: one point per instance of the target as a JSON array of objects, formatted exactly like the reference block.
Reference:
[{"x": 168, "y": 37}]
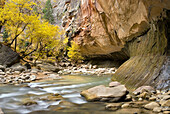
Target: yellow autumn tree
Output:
[
  {"x": 74, "y": 53},
  {"x": 28, "y": 33}
]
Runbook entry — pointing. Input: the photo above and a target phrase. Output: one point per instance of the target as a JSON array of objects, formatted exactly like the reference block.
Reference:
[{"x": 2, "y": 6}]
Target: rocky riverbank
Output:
[
  {"x": 18, "y": 73},
  {"x": 117, "y": 98}
]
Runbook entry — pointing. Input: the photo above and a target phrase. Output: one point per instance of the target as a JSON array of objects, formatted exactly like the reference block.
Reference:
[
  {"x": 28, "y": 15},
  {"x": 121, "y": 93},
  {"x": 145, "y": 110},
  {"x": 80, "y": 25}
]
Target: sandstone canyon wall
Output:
[{"x": 134, "y": 31}]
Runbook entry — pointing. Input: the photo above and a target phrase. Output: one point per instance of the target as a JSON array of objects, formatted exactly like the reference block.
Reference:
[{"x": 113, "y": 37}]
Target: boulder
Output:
[
  {"x": 99, "y": 92},
  {"x": 8, "y": 56},
  {"x": 157, "y": 109},
  {"x": 151, "y": 105},
  {"x": 166, "y": 103},
  {"x": 18, "y": 67},
  {"x": 28, "y": 102},
  {"x": 48, "y": 67},
  {"x": 114, "y": 84},
  {"x": 113, "y": 106},
  {"x": 142, "y": 89}
]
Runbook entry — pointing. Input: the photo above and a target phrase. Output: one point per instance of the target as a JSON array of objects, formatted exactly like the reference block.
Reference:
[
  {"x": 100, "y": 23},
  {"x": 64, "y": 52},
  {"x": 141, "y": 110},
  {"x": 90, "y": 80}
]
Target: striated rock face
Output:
[{"x": 135, "y": 31}]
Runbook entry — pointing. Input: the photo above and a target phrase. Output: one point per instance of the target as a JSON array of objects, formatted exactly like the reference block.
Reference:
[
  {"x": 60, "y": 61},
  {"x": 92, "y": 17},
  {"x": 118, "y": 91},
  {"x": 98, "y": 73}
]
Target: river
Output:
[{"x": 69, "y": 87}]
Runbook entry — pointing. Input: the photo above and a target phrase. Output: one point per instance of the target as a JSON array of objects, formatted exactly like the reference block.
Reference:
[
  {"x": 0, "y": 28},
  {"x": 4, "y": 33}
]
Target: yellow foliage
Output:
[
  {"x": 30, "y": 34},
  {"x": 74, "y": 52}
]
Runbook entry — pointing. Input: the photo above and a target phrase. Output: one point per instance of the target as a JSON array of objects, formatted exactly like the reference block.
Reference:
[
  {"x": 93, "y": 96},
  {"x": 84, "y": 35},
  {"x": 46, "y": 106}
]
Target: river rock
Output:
[
  {"x": 2, "y": 73},
  {"x": 126, "y": 105},
  {"x": 2, "y": 67},
  {"x": 18, "y": 67},
  {"x": 153, "y": 98},
  {"x": 114, "y": 84},
  {"x": 48, "y": 67},
  {"x": 165, "y": 103},
  {"x": 67, "y": 104},
  {"x": 33, "y": 77},
  {"x": 34, "y": 71},
  {"x": 113, "y": 106},
  {"x": 54, "y": 97},
  {"x": 99, "y": 92},
  {"x": 151, "y": 105},
  {"x": 142, "y": 89},
  {"x": 157, "y": 109},
  {"x": 28, "y": 102},
  {"x": 128, "y": 97}
]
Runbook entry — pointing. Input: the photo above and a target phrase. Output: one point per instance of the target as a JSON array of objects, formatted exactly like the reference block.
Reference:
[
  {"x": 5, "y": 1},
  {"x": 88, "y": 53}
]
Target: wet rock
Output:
[
  {"x": 99, "y": 92},
  {"x": 114, "y": 84},
  {"x": 144, "y": 89},
  {"x": 67, "y": 104},
  {"x": 113, "y": 106},
  {"x": 157, "y": 109},
  {"x": 54, "y": 97},
  {"x": 28, "y": 102},
  {"x": 151, "y": 105}
]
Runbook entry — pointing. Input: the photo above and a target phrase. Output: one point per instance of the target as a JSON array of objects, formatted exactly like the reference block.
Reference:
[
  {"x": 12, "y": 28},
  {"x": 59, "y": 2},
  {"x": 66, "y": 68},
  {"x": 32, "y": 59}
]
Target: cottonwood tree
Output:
[{"x": 28, "y": 33}]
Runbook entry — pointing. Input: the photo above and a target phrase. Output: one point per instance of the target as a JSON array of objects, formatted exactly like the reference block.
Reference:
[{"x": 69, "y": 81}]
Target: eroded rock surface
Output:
[{"x": 132, "y": 30}]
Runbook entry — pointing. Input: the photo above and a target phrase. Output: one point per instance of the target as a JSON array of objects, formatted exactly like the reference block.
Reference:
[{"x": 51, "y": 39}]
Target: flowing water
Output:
[
  {"x": 11, "y": 97},
  {"x": 69, "y": 87}
]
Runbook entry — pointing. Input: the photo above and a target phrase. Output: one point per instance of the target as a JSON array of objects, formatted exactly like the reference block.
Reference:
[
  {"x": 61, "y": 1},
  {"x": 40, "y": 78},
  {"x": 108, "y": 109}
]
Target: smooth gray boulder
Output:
[
  {"x": 8, "y": 56},
  {"x": 100, "y": 92},
  {"x": 18, "y": 67}
]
